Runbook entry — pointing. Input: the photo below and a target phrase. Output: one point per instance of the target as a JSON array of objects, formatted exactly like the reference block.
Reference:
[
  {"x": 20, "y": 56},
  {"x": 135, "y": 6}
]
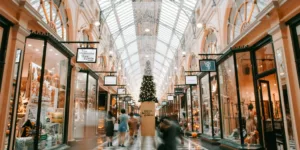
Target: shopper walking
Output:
[
  {"x": 123, "y": 127},
  {"x": 133, "y": 124},
  {"x": 169, "y": 135},
  {"x": 109, "y": 127}
]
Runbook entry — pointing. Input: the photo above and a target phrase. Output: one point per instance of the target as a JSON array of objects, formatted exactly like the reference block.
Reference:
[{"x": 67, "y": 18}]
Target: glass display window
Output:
[
  {"x": 13, "y": 96},
  {"x": 210, "y": 105},
  {"x": 229, "y": 101},
  {"x": 85, "y": 112},
  {"x": 206, "y": 106},
  {"x": 247, "y": 98},
  {"x": 265, "y": 58},
  {"x": 196, "y": 110},
  {"x": 41, "y": 105}
]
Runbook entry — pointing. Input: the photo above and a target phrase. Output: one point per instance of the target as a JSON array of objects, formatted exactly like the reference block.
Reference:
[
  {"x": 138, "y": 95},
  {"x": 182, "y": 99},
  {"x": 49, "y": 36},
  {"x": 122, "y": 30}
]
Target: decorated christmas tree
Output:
[{"x": 148, "y": 92}]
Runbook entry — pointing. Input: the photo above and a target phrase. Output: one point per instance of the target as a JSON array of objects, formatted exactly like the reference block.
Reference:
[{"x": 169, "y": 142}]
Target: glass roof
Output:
[{"x": 170, "y": 23}]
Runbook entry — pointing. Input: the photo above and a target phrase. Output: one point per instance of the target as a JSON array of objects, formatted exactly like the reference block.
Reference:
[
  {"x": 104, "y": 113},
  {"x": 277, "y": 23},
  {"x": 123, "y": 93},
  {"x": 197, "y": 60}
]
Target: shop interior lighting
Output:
[
  {"x": 175, "y": 68},
  {"x": 36, "y": 49},
  {"x": 183, "y": 53},
  {"x": 199, "y": 25},
  {"x": 147, "y": 30},
  {"x": 147, "y": 56},
  {"x": 56, "y": 54},
  {"x": 29, "y": 45},
  {"x": 97, "y": 23},
  {"x": 120, "y": 68},
  {"x": 51, "y": 49}
]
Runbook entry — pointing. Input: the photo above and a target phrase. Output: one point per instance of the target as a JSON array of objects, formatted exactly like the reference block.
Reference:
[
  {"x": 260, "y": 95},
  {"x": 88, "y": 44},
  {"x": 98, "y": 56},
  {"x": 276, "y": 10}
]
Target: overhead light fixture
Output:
[
  {"x": 29, "y": 45},
  {"x": 199, "y": 25},
  {"x": 56, "y": 54},
  {"x": 175, "y": 68},
  {"x": 120, "y": 68},
  {"x": 147, "y": 30},
  {"x": 97, "y": 23},
  {"x": 183, "y": 53},
  {"x": 147, "y": 56},
  {"x": 51, "y": 50},
  {"x": 110, "y": 52},
  {"x": 36, "y": 49}
]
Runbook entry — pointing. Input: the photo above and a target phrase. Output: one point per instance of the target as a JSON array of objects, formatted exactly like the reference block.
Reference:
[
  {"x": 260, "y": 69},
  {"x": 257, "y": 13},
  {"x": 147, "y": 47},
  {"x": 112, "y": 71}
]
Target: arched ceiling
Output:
[{"x": 144, "y": 30}]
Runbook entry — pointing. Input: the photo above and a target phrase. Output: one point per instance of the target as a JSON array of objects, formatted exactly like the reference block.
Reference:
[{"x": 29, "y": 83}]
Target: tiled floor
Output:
[{"x": 150, "y": 143}]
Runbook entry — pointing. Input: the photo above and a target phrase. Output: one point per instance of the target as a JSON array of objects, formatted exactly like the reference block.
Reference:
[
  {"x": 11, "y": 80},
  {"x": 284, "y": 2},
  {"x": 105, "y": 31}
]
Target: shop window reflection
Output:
[
  {"x": 53, "y": 99},
  {"x": 229, "y": 103},
  {"x": 80, "y": 103},
  {"x": 29, "y": 92},
  {"x": 247, "y": 98},
  {"x": 215, "y": 105},
  {"x": 206, "y": 115},
  {"x": 265, "y": 58}
]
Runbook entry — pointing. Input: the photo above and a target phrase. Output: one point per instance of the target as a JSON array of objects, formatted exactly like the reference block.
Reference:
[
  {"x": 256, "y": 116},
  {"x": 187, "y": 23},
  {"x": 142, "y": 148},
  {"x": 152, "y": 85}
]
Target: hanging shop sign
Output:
[
  {"x": 191, "y": 80},
  {"x": 127, "y": 98},
  {"x": 170, "y": 97},
  {"x": 179, "y": 90},
  {"x": 110, "y": 80},
  {"x": 207, "y": 65},
  {"x": 121, "y": 91},
  {"x": 86, "y": 55}
]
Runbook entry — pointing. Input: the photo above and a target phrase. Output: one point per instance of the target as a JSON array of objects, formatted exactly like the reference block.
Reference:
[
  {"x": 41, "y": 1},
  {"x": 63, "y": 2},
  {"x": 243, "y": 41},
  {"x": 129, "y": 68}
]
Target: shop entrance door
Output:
[
  {"x": 271, "y": 113},
  {"x": 267, "y": 111}
]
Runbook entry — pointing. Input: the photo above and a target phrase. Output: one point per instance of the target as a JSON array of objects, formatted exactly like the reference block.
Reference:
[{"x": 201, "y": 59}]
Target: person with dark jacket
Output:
[
  {"x": 109, "y": 127},
  {"x": 169, "y": 135}
]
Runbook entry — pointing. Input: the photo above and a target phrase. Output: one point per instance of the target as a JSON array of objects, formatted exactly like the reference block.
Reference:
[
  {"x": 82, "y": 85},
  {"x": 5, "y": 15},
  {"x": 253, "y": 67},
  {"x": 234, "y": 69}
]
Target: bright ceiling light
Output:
[
  {"x": 120, "y": 68},
  {"x": 29, "y": 45},
  {"x": 147, "y": 30},
  {"x": 199, "y": 25},
  {"x": 51, "y": 50},
  {"x": 147, "y": 56},
  {"x": 36, "y": 49},
  {"x": 175, "y": 68},
  {"x": 183, "y": 52},
  {"x": 97, "y": 23}
]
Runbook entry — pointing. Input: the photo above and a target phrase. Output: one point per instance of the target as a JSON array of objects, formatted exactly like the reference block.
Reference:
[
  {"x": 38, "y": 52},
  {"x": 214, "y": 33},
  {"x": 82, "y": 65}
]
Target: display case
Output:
[{"x": 41, "y": 107}]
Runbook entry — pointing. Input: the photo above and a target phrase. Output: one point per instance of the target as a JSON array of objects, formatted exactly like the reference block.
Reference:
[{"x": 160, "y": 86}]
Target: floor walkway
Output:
[{"x": 150, "y": 143}]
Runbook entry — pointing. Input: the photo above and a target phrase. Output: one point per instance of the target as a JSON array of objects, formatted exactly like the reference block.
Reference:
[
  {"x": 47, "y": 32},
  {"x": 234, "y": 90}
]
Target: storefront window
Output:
[
  {"x": 229, "y": 103},
  {"x": 13, "y": 96},
  {"x": 196, "y": 109},
  {"x": 80, "y": 105},
  {"x": 189, "y": 112},
  {"x": 247, "y": 98},
  {"x": 53, "y": 99},
  {"x": 265, "y": 58},
  {"x": 29, "y": 93},
  {"x": 215, "y": 105},
  {"x": 206, "y": 105},
  {"x": 91, "y": 107}
]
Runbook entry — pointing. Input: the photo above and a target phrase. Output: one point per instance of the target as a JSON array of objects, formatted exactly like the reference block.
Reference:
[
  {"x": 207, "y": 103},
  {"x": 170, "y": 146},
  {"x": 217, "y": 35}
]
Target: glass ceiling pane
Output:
[
  {"x": 124, "y": 55},
  {"x": 134, "y": 58},
  {"x": 166, "y": 64},
  {"x": 157, "y": 65},
  {"x": 161, "y": 48},
  {"x": 119, "y": 42},
  {"x": 132, "y": 49},
  {"x": 159, "y": 58},
  {"x": 129, "y": 34},
  {"x": 170, "y": 54}
]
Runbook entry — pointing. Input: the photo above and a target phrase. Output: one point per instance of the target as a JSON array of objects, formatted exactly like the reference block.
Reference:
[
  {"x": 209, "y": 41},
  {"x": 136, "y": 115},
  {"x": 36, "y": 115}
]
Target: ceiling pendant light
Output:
[
  {"x": 147, "y": 30},
  {"x": 199, "y": 25}
]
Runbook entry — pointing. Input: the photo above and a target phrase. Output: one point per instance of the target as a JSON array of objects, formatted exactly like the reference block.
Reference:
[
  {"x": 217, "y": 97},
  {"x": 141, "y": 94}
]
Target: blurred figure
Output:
[
  {"x": 169, "y": 135},
  {"x": 180, "y": 132},
  {"x": 109, "y": 127},
  {"x": 133, "y": 124},
  {"x": 137, "y": 116},
  {"x": 123, "y": 127}
]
